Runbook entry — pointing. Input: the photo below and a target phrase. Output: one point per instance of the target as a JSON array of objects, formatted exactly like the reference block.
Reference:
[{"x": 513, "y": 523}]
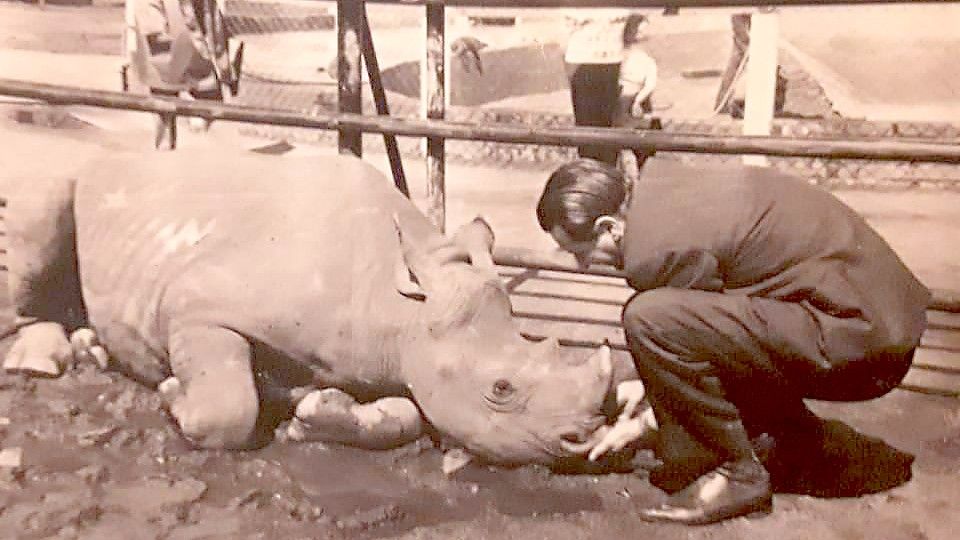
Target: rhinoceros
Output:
[{"x": 215, "y": 276}]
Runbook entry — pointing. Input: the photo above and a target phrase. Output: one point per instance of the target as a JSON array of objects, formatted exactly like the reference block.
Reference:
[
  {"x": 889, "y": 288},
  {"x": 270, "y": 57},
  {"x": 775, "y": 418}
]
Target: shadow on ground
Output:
[{"x": 850, "y": 464}]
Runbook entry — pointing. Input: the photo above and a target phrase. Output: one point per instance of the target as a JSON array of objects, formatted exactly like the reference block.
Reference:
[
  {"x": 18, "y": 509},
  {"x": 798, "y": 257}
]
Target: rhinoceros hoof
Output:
[
  {"x": 331, "y": 415},
  {"x": 86, "y": 348},
  {"x": 327, "y": 409},
  {"x": 170, "y": 389},
  {"x": 41, "y": 349},
  {"x": 208, "y": 422}
]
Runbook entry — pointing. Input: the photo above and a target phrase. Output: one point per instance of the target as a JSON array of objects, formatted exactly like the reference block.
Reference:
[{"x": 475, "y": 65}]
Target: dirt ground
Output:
[{"x": 98, "y": 459}]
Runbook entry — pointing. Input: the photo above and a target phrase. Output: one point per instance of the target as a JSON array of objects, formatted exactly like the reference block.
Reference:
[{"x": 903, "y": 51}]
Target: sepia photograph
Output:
[{"x": 479, "y": 269}]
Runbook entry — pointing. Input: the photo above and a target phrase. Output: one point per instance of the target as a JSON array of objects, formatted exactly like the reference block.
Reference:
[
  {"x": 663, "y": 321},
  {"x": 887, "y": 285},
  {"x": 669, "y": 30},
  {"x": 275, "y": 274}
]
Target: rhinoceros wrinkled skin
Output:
[{"x": 223, "y": 270}]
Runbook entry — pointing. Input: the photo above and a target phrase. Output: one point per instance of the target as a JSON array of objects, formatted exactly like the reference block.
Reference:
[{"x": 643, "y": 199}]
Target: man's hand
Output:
[
  {"x": 624, "y": 431},
  {"x": 630, "y": 396},
  {"x": 629, "y": 427}
]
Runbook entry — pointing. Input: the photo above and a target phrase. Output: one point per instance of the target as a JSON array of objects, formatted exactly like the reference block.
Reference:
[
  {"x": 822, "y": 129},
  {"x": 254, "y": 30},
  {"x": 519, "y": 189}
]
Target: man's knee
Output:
[{"x": 647, "y": 312}]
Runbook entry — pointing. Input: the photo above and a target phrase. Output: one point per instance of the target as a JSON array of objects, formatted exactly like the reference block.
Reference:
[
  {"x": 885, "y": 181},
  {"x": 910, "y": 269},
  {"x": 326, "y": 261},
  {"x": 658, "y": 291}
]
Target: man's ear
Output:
[{"x": 607, "y": 223}]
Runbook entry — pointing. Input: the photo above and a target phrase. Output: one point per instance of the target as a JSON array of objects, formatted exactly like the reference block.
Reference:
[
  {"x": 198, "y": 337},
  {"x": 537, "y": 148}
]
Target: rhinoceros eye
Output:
[
  {"x": 502, "y": 389},
  {"x": 503, "y": 396}
]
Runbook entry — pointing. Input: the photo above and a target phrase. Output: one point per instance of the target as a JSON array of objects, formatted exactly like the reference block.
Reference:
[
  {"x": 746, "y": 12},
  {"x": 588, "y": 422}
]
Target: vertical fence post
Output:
[
  {"x": 349, "y": 79},
  {"x": 761, "y": 78},
  {"x": 433, "y": 100},
  {"x": 380, "y": 102},
  {"x": 128, "y": 43}
]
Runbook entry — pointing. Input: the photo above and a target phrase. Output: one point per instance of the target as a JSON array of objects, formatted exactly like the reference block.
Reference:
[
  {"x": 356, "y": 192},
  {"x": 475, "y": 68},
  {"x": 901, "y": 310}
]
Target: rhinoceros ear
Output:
[
  {"x": 404, "y": 279},
  {"x": 406, "y": 282},
  {"x": 476, "y": 237},
  {"x": 418, "y": 271}
]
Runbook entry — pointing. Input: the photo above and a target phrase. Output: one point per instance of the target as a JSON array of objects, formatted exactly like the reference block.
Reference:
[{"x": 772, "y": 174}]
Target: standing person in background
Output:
[
  {"x": 638, "y": 79},
  {"x": 611, "y": 78},
  {"x": 592, "y": 60},
  {"x": 179, "y": 48},
  {"x": 638, "y": 73}
]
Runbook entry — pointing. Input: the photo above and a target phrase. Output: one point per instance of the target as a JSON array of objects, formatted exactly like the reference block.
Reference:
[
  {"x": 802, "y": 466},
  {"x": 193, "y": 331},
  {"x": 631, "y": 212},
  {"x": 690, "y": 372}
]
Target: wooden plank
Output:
[
  {"x": 584, "y": 311},
  {"x": 943, "y": 300},
  {"x": 947, "y": 340},
  {"x": 931, "y": 382}
]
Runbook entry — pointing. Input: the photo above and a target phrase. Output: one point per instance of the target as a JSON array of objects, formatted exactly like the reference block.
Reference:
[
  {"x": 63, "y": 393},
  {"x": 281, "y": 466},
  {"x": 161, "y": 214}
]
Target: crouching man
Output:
[{"x": 754, "y": 291}]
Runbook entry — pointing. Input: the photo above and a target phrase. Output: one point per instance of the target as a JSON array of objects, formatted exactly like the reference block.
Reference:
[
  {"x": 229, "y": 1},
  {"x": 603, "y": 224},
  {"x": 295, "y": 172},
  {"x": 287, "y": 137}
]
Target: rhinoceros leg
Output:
[
  {"x": 87, "y": 348},
  {"x": 42, "y": 275},
  {"x": 212, "y": 394},
  {"x": 332, "y": 415}
]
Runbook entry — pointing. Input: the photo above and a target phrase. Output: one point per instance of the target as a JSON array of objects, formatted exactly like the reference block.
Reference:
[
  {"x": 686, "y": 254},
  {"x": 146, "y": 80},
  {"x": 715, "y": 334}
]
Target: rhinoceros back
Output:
[{"x": 293, "y": 252}]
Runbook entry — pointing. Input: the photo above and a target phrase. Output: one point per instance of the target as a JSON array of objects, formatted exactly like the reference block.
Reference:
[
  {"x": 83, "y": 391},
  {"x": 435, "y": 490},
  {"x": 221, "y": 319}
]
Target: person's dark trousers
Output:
[
  {"x": 595, "y": 91},
  {"x": 721, "y": 368}
]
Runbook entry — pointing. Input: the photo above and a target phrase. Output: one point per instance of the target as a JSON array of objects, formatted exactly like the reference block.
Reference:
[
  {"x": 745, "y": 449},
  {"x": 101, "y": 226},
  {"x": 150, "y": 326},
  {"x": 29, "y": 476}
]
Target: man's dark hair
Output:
[{"x": 577, "y": 194}]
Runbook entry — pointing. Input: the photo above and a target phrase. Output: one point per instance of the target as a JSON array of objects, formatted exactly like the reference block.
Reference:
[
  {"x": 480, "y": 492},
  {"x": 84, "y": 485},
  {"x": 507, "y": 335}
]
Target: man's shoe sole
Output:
[{"x": 757, "y": 510}]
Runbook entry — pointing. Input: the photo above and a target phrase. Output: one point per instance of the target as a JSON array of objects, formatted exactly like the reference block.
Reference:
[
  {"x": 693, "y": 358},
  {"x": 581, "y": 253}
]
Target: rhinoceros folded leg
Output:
[
  {"x": 212, "y": 394},
  {"x": 331, "y": 415},
  {"x": 87, "y": 348}
]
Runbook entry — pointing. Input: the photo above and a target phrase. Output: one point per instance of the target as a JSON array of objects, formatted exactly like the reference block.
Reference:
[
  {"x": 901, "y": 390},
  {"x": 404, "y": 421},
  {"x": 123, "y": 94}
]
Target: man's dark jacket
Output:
[{"x": 752, "y": 231}]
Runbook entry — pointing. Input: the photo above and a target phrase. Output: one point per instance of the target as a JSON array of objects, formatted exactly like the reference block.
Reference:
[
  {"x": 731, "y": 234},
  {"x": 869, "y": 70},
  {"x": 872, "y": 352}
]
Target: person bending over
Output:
[{"x": 754, "y": 290}]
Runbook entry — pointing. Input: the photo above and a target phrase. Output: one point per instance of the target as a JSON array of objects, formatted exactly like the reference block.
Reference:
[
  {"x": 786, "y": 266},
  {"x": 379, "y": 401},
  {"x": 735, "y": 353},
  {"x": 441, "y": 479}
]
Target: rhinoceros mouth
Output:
[{"x": 578, "y": 434}]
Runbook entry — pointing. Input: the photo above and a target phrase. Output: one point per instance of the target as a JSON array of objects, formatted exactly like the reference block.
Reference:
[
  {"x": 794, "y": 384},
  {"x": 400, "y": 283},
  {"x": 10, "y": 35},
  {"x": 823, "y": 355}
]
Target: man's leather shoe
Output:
[{"x": 734, "y": 489}]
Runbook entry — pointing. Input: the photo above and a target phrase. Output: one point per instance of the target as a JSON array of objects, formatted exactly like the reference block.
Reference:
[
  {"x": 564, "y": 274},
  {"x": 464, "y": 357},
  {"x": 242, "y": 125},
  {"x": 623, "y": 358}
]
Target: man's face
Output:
[
  {"x": 581, "y": 249},
  {"x": 602, "y": 248}
]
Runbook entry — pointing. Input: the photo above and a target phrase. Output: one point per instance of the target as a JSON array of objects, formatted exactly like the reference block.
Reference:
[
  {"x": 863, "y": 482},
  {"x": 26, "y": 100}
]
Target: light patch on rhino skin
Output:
[
  {"x": 368, "y": 417},
  {"x": 317, "y": 282},
  {"x": 115, "y": 200},
  {"x": 174, "y": 238}
]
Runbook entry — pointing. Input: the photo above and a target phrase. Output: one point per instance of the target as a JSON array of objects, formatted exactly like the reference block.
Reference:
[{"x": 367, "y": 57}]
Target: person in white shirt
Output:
[
  {"x": 638, "y": 72},
  {"x": 175, "y": 51}
]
